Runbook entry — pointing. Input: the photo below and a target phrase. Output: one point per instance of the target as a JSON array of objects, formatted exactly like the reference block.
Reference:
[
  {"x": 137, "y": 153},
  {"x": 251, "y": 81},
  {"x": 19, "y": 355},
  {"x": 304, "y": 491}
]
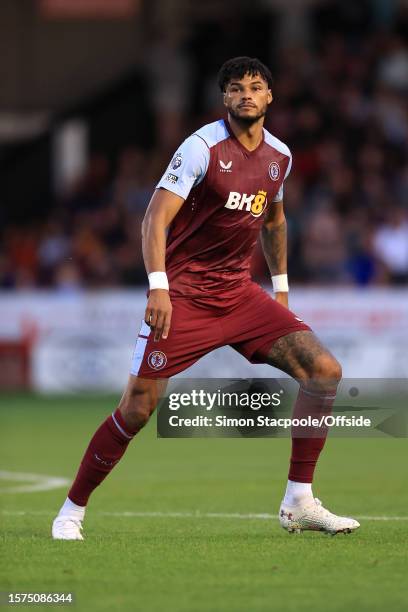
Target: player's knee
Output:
[
  {"x": 327, "y": 368},
  {"x": 136, "y": 415},
  {"x": 141, "y": 416},
  {"x": 137, "y": 406}
]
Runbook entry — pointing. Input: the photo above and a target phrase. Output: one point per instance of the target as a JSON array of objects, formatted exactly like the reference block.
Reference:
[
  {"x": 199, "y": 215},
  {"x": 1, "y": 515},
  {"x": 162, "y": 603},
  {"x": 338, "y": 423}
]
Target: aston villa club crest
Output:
[
  {"x": 157, "y": 360},
  {"x": 274, "y": 171}
]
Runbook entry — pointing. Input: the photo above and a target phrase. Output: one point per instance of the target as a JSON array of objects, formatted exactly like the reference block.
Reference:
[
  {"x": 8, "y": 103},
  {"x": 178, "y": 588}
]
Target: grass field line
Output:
[
  {"x": 36, "y": 482},
  {"x": 197, "y": 515}
]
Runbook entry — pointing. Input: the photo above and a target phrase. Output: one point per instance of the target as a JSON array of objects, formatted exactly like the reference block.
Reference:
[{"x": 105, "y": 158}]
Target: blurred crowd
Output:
[
  {"x": 344, "y": 113},
  {"x": 341, "y": 106}
]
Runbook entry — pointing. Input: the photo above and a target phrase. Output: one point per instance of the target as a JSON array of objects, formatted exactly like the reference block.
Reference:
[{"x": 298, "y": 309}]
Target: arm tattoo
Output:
[{"x": 274, "y": 246}]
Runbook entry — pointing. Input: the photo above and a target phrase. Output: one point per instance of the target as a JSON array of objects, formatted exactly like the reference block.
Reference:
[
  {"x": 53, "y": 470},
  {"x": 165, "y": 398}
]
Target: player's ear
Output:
[
  {"x": 270, "y": 96},
  {"x": 224, "y": 97}
]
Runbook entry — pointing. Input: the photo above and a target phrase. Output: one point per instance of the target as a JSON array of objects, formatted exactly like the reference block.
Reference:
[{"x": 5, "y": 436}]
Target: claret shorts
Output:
[{"x": 250, "y": 325}]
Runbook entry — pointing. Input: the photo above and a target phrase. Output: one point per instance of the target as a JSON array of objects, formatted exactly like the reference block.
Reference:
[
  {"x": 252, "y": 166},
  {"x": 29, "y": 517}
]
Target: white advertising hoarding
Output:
[{"x": 85, "y": 341}]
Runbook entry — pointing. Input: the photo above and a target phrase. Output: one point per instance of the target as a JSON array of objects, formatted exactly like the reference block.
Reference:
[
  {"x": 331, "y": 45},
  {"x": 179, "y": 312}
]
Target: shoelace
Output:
[{"x": 321, "y": 507}]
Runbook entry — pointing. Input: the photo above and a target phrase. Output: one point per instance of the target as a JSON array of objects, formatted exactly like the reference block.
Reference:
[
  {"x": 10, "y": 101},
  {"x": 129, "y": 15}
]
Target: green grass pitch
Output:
[{"x": 172, "y": 563}]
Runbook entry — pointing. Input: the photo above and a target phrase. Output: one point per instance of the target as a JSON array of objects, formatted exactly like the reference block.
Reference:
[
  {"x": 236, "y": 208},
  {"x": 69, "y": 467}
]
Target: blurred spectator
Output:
[
  {"x": 67, "y": 278},
  {"x": 393, "y": 66},
  {"x": 361, "y": 262},
  {"x": 6, "y": 273},
  {"x": 391, "y": 245},
  {"x": 54, "y": 246},
  {"x": 131, "y": 187},
  {"x": 91, "y": 192},
  {"x": 323, "y": 247}
]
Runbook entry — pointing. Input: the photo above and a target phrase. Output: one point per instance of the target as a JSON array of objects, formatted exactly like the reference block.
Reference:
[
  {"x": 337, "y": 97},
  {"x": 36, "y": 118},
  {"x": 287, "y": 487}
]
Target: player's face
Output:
[{"x": 247, "y": 99}]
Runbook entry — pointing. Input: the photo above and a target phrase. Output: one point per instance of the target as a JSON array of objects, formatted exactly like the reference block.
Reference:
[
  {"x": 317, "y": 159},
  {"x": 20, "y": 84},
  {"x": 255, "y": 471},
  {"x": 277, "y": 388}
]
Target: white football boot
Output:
[
  {"x": 67, "y": 527},
  {"x": 311, "y": 515}
]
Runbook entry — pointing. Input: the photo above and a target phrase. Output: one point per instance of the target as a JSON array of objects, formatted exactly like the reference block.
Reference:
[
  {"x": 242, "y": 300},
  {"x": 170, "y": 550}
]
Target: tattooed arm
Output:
[{"x": 274, "y": 244}]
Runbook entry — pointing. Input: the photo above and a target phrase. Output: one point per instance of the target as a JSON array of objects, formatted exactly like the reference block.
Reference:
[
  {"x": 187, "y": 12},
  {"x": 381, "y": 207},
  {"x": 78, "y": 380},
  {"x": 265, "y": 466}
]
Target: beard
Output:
[{"x": 246, "y": 119}]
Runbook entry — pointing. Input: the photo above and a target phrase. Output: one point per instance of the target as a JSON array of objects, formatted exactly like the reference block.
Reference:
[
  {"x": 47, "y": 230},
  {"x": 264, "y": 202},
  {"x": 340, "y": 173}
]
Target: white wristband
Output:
[
  {"x": 280, "y": 283},
  {"x": 158, "y": 280}
]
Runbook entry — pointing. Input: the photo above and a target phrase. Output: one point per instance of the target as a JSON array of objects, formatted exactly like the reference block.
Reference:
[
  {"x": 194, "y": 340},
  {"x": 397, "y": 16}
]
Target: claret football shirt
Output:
[{"x": 227, "y": 190}]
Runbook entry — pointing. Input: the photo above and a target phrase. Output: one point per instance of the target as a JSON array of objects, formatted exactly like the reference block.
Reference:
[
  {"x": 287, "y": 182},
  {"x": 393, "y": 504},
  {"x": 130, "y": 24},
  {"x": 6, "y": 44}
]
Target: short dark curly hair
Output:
[{"x": 238, "y": 67}]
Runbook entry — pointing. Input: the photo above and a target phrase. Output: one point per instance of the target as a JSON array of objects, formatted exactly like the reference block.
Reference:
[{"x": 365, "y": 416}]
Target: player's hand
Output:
[
  {"x": 158, "y": 313},
  {"x": 283, "y": 298}
]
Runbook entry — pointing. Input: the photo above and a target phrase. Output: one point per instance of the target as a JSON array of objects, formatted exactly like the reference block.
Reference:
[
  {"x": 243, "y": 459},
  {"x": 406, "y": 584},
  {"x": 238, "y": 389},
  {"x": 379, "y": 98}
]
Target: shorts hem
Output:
[{"x": 151, "y": 376}]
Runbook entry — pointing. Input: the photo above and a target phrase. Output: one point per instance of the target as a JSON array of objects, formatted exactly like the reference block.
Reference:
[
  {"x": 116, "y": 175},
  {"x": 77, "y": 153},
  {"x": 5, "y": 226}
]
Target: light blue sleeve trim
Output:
[
  {"x": 187, "y": 168},
  {"x": 279, "y": 195}
]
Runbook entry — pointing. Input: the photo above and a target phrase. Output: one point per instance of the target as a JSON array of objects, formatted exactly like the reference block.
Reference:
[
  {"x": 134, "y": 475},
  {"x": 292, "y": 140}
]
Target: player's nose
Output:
[{"x": 246, "y": 99}]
